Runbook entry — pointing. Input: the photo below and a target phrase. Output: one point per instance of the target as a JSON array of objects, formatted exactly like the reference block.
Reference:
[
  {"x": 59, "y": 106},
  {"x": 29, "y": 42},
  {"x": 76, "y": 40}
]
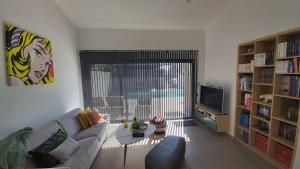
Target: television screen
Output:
[{"x": 212, "y": 98}]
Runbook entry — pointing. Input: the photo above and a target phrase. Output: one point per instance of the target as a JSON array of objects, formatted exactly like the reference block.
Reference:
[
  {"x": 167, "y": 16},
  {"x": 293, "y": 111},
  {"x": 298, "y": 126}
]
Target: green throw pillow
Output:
[{"x": 41, "y": 153}]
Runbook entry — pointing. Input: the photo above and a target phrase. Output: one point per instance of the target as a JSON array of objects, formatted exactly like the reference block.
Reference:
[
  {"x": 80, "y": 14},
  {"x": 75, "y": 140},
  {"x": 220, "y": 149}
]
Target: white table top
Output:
[{"x": 124, "y": 135}]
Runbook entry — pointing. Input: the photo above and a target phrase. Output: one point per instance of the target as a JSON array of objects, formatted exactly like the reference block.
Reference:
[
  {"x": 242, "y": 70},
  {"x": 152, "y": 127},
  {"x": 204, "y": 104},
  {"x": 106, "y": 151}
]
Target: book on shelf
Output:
[
  {"x": 262, "y": 126},
  {"x": 264, "y": 59},
  {"x": 244, "y": 119},
  {"x": 281, "y": 50},
  {"x": 244, "y": 136},
  {"x": 284, "y": 85},
  {"x": 263, "y": 111},
  {"x": 288, "y": 49},
  {"x": 138, "y": 133},
  {"x": 293, "y": 48},
  {"x": 246, "y": 67},
  {"x": 247, "y": 100},
  {"x": 266, "y": 76},
  {"x": 288, "y": 66},
  {"x": 282, "y": 66},
  {"x": 287, "y": 131},
  {"x": 295, "y": 65},
  {"x": 246, "y": 83},
  {"x": 290, "y": 85}
]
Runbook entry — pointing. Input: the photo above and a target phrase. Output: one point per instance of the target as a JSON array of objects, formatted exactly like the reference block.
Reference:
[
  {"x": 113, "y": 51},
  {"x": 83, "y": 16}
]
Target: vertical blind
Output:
[{"x": 141, "y": 84}]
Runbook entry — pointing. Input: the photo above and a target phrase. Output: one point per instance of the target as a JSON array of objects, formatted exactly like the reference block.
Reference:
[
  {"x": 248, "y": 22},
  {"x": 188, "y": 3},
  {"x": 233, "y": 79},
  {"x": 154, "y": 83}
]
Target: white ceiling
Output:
[{"x": 141, "y": 14}]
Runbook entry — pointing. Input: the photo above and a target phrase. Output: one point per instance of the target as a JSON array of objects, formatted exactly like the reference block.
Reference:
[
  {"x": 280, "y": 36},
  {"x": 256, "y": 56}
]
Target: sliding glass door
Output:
[{"x": 141, "y": 90}]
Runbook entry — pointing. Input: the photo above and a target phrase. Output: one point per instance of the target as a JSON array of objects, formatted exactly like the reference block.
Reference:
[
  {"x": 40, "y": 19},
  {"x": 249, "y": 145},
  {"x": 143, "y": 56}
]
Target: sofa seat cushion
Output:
[
  {"x": 70, "y": 122},
  {"x": 98, "y": 130},
  {"x": 84, "y": 156}
]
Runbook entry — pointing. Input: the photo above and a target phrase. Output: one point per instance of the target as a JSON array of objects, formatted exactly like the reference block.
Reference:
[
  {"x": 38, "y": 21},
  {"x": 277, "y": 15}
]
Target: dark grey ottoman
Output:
[{"x": 168, "y": 154}]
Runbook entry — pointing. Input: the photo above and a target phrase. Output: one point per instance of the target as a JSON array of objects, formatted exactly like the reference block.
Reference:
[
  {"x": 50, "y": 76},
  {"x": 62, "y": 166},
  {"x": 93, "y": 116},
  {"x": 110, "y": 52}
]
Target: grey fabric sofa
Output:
[{"x": 90, "y": 139}]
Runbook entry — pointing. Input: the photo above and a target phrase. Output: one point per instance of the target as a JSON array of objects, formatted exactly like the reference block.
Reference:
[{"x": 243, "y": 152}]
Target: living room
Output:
[{"x": 185, "y": 44}]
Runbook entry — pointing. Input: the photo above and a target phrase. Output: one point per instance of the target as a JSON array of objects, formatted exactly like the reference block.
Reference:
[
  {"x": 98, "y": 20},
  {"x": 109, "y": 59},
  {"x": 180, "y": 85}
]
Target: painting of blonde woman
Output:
[{"x": 29, "y": 58}]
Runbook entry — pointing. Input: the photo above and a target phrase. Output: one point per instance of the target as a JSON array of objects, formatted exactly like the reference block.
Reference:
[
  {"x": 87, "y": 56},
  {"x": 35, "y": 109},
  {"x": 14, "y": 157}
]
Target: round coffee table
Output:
[{"x": 124, "y": 136}]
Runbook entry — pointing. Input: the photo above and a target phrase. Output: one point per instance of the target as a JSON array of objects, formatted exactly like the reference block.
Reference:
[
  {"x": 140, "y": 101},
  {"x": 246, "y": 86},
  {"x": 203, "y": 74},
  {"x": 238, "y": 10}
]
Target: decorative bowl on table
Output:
[
  {"x": 139, "y": 126},
  {"x": 160, "y": 123}
]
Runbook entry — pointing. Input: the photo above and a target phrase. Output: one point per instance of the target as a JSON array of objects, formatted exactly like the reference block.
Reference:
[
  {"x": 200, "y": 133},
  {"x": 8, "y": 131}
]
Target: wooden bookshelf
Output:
[{"x": 266, "y": 80}]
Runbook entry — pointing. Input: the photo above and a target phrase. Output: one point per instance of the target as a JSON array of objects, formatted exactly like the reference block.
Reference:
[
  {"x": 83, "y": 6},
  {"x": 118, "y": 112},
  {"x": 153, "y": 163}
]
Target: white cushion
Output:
[{"x": 65, "y": 150}]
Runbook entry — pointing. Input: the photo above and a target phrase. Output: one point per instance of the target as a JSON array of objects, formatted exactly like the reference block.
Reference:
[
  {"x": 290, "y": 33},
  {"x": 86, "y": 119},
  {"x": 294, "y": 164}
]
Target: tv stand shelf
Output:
[{"x": 212, "y": 119}]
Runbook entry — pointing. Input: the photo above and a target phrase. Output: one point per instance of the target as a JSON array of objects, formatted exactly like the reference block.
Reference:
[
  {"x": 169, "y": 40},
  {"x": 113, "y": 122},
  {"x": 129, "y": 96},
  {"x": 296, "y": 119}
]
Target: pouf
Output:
[
  {"x": 160, "y": 124},
  {"x": 168, "y": 154}
]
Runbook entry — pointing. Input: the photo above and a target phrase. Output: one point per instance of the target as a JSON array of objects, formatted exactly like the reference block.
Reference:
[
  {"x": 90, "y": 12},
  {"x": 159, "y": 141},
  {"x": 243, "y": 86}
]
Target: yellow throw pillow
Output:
[{"x": 84, "y": 121}]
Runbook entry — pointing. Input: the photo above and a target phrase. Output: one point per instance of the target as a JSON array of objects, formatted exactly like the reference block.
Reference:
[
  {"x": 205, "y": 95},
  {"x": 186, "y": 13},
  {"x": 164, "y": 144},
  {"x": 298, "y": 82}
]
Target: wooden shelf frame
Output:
[
  {"x": 263, "y": 84},
  {"x": 279, "y": 102},
  {"x": 283, "y": 141}
]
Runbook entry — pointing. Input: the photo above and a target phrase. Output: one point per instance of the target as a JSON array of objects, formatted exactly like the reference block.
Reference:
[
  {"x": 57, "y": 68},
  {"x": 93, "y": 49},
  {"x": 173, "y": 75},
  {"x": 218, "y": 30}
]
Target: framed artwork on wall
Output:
[{"x": 28, "y": 57}]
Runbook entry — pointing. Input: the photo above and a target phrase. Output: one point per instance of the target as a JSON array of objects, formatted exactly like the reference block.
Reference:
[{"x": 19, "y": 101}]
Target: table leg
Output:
[{"x": 125, "y": 153}]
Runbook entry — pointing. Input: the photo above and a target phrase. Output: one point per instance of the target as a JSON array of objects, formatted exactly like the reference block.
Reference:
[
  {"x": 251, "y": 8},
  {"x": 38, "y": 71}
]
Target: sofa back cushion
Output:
[
  {"x": 41, "y": 134},
  {"x": 70, "y": 122}
]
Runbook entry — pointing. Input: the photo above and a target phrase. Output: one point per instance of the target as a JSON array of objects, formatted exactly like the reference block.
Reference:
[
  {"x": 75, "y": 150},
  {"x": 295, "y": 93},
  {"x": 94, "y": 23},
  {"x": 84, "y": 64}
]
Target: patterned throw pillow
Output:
[
  {"x": 95, "y": 117},
  {"x": 41, "y": 153},
  {"x": 84, "y": 119}
]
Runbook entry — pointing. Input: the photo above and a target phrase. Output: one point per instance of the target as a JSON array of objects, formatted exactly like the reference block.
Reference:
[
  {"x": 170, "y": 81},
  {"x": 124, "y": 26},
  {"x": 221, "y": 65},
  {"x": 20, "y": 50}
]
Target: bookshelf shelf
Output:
[
  {"x": 265, "y": 66},
  {"x": 243, "y": 128},
  {"x": 248, "y": 91},
  {"x": 264, "y": 84},
  {"x": 241, "y": 141},
  {"x": 261, "y": 118},
  {"x": 288, "y": 97},
  {"x": 247, "y": 54},
  {"x": 262, "y": 103},
  {"x": 259, "y": 131},
  {"x": 270, "y": 55},
  {"x": 259, "y": 152},
  {"x": 283, "y": 141},
  {"x": 245, "y": 72},
  {"x": 295, "y": 74},
  {"x": 278, "y": 163},
  {"x": 288, "y": 58},
  {"x": 244, "y": 107},
  {"x": 283, "y": 119}
]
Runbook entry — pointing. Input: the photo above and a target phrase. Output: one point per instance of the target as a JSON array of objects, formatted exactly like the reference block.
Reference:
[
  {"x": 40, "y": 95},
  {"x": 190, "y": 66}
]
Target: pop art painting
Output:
[{"x": 29, "y": 58}]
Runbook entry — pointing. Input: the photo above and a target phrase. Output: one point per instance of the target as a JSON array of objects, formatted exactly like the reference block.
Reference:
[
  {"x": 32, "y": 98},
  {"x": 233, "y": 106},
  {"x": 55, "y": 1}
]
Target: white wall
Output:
[
  {"x": 103, "y": 39},
  {"x": 33, "y": 106},
  {"x": 240, "y": 21}
]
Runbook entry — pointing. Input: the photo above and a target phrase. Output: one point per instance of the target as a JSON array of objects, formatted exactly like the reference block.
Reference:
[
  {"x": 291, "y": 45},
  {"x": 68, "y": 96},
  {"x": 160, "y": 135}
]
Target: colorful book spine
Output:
[{"x": 295, "y": 65}]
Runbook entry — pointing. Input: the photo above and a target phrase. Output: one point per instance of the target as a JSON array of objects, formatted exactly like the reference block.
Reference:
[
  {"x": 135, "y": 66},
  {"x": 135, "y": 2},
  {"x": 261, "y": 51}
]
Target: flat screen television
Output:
[{"x": 212, "y": 97}]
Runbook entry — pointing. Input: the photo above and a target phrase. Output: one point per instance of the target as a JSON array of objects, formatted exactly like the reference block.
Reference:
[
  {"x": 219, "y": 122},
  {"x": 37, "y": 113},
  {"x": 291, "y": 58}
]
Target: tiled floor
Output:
[{"x": 205, "y": 150}]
